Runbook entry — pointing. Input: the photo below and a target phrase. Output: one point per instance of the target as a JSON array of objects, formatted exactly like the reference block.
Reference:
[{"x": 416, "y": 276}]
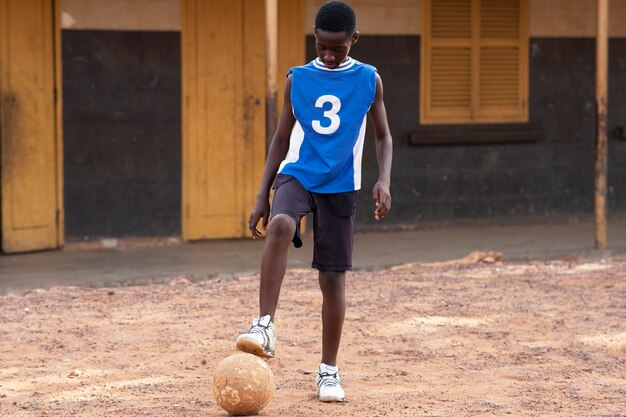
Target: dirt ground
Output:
[{"x": 467, "y": 338}]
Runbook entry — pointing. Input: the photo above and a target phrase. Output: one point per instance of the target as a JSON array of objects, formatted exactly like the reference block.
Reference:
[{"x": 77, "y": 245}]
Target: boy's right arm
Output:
[{"x": 275, "y": 155}]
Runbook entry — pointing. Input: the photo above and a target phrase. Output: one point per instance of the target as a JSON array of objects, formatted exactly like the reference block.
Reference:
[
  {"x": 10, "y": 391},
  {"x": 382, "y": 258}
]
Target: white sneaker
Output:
[
  {"x": 329, "y": 384},
  {"x": 260, "y": 340}
]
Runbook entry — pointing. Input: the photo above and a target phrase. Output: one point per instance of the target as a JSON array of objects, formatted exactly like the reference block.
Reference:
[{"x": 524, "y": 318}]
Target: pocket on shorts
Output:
[{"x": 342, "y": 204}]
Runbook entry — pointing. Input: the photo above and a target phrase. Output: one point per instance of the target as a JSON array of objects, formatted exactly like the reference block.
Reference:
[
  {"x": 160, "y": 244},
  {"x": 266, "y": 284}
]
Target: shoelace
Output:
[
  {"x": 327, "y": 380},
  {"x": 263, "y": 331}
]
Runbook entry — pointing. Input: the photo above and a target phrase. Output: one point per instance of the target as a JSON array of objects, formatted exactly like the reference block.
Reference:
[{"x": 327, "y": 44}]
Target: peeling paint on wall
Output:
[
  {"x": 148, "y": 15},
  {"x": 553, "y": 18}
]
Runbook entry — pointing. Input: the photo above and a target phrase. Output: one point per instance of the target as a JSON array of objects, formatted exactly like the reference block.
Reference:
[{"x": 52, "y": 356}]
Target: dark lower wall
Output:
[
  {"x": 617, "y": 121},
  {"x": 553, "y": 176},
  {"x": 122, "y": 133},
  {"x": 122, "y": 137}
]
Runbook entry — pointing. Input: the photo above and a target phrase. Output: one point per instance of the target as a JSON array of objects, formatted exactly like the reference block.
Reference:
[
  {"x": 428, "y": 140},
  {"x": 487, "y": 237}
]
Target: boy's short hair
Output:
[{"x": 336, "y": 16}]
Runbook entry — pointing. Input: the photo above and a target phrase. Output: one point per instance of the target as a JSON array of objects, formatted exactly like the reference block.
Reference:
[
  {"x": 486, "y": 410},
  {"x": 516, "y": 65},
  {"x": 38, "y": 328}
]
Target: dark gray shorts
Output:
[{"x": 333, "y": 221}]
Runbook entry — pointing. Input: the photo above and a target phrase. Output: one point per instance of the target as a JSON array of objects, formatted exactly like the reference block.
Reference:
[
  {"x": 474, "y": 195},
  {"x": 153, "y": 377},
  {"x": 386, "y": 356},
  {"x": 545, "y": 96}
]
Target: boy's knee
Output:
[
  {"x": 332, "y": 283},
  {"x": 282, "y": 227}
]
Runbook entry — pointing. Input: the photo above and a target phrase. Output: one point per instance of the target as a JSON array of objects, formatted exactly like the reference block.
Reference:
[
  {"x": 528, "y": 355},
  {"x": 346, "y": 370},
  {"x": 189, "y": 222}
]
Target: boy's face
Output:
[{"x": 333, "y": 47}]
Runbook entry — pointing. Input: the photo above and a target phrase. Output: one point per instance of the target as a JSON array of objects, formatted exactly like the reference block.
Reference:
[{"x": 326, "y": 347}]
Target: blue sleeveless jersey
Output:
[{"x": 330, "y": 107}]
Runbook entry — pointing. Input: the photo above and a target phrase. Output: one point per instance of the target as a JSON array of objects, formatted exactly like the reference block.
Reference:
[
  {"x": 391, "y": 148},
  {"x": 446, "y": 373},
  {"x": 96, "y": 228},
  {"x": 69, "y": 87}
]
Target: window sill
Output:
[{"x": 475, "y": 134}]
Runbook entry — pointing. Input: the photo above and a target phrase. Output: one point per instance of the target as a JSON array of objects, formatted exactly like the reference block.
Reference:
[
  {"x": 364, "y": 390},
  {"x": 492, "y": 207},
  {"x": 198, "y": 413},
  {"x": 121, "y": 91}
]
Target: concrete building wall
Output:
[
  {"x": 122, "y": 118},
  {"x": 548, "y": 18},
  {"x": 553, "y": 18},
  {"x": 551, "y": 177},
  {"x": 122, "y": 99}
]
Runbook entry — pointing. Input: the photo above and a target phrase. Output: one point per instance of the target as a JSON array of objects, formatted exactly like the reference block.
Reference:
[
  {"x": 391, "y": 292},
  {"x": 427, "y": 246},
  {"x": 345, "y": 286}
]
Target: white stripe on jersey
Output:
[
  {"x": 348, "y": 63},
  {"x": 295, "y": 142},
  {"x": 357, "y": 154}
]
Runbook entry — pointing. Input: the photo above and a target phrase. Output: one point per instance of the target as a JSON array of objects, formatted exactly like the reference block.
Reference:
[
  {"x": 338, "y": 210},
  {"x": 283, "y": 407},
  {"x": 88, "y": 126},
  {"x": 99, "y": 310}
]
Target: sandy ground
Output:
[{"x": 468, "y": 338}]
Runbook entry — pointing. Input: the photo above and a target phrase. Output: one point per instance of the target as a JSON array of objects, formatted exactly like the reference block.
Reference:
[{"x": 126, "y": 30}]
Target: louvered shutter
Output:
[
  {"x": 447, "y": 57},
  {"x": 502, "y": 61},
  {"x": 474, "y": 61}
]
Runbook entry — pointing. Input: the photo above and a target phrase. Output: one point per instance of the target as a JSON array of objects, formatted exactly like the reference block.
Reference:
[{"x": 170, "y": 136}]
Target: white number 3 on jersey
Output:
[{"x": 329, "y": 114}]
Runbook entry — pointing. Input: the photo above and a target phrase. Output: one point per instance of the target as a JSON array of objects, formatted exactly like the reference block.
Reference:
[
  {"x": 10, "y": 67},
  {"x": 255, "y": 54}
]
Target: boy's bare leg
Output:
[
  {"x": 333, "y": 286},
  {"x": 274, "y": 262}
]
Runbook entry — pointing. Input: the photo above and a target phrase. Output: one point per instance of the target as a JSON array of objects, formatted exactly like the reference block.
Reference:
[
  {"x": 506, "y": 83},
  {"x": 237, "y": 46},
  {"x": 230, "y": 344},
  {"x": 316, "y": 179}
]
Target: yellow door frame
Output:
[{"x": 30, "y": 125}]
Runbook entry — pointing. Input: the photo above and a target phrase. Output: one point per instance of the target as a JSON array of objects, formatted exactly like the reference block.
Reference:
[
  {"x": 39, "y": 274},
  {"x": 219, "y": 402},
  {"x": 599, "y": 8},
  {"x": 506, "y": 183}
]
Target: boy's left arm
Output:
[{"x": 384, "y": 150}]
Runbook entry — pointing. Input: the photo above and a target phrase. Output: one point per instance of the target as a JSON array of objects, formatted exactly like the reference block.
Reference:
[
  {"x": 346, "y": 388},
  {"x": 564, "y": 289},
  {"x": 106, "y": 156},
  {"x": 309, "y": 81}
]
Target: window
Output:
[{"x": 474, "y": 61}]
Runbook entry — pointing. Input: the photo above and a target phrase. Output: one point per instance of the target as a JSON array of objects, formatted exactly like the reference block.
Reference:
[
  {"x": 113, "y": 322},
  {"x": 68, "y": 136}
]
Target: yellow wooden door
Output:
[
  {"x": 223, "y": 61},
  {"x": 29, "y": 125}
]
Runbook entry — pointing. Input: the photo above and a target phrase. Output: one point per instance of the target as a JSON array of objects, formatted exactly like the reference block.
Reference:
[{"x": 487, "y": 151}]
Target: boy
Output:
[{"x": 314, "y": 164}]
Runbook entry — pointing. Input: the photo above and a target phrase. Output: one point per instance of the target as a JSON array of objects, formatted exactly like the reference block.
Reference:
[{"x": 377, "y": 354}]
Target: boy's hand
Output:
[
  {"x": 382, "y": 198},
  {"x": 260, "y": 210}
]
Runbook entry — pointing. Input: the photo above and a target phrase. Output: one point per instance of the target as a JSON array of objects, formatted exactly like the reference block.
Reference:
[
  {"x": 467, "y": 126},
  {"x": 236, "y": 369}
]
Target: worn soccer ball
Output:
[{"x": 243, "y": 384}]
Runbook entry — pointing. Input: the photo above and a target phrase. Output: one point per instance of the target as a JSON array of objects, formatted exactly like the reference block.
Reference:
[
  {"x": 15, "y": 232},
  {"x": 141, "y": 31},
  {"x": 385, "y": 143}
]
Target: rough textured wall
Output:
[
  {"x": 122, "y": 137},
  {"x": 122, "y": 133},
  {"x": 617, "y": 125},
  {"x": 553, "y": 176}
]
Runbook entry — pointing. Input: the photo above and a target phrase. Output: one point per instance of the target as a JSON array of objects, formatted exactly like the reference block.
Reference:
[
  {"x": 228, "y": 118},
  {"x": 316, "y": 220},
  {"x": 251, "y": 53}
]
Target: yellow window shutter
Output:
[
  {"x": 474, "y": 61},
  {"x": 503, "y": 61},
  {"x": 451, "y": 19},
  {"x": 450, "y": 78},
  {"x": 447, "y": 57}
]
